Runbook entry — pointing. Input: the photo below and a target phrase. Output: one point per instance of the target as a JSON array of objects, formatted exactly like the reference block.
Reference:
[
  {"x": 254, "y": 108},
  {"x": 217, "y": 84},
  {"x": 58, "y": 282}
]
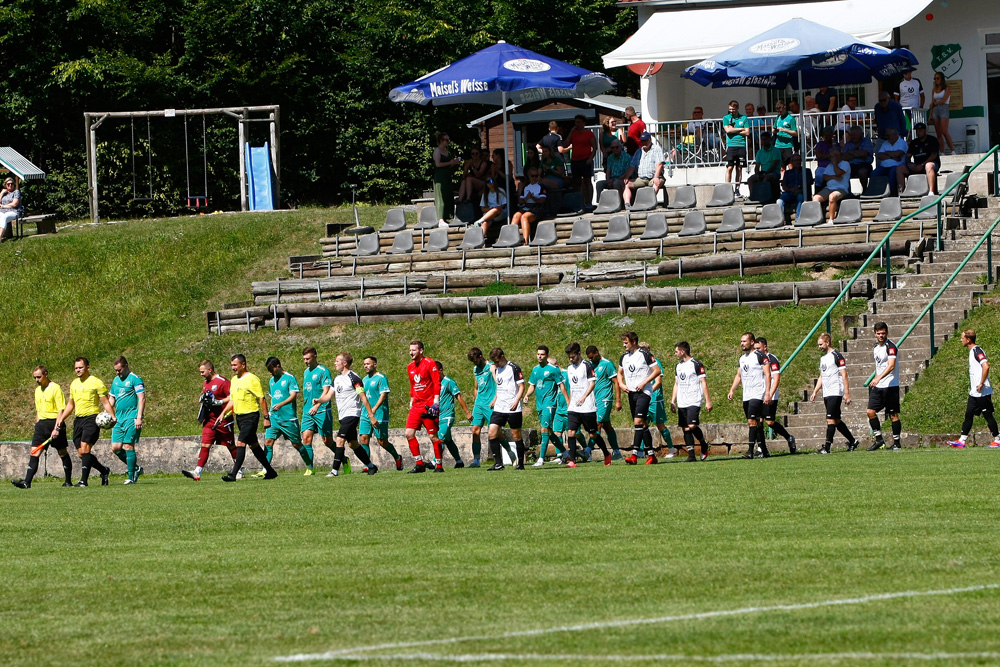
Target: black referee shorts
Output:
[
  {"x": 85, "y": 430},
  {"x": 247, "y": 425},
  {"x": 43, "y": 430}
]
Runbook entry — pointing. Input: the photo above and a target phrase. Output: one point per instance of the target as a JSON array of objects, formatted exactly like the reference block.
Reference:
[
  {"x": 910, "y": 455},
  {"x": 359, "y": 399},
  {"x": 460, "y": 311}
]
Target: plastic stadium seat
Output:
[
  {"x": 929, "y": 214},
  {"x": 656, "y": 227},
  {"x": 810, "y": 214},
  {"x": 761, "y": 193},
  {"x": 916, "y": 186},
  {"x": 890, "y": 209},
  {"x": 722, "y": 195},
  {"x": 572, "y": 204},
  {"x": 685, "y": 197},
  {"x": 437, "y": 241},
  {"x": 951, "y": 179},
  {"x": 732, "y": 221},
  {"x": 645, "y": 200},
  {"x": 545, "y": 234},
  {"x": 510, "y": 237},
  {"x": 427, "y": 219},
  {"x": 367, "y": 245},
  {"x": 878, "y": 187},
  {"x": 473, "y": 238},
  {"x": 771, "y": 217},
  {"x": 619, "y": 229},
  {"x": 465, "y": 212},
  {"x": 611, "y": 202},
  {"x": 402, "y": 243},
  {"x": 583, "y": 232},
  {"x": 395, "y": 220},
  {"x": 849, "y": 213},
  {"x": 694, "y": 223}
]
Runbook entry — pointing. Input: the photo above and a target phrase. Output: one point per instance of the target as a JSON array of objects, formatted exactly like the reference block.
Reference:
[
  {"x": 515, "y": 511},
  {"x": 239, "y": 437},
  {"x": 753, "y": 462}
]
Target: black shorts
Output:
[
  {"x": 754, "y": 408},
  {"x": 980, "y": 405},
  {"x": 736, "y": 156},
  {"x": 833, "y": 406},
  {"x": 786, "y": 155},
  {"x": 638, "y": 403},
  {"x": 574, "y": 420},
  {"x": 43, "y": 431},
  {"x": 349, "y": 428},
  {"x": 688, "y": 416},
  {"x": 582, "y": 168},
  {"x": 771, "y": 410},
  {"x": 85, "y": 429},
  {"x": 511, "y": 419},
  {"x": 885, "y": 398},
  {"x": 247, "y": 424}
]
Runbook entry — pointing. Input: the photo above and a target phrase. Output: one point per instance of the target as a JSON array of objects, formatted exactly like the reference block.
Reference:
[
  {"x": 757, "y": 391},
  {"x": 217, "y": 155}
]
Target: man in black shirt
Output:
[{"x": 921, "y": 157}]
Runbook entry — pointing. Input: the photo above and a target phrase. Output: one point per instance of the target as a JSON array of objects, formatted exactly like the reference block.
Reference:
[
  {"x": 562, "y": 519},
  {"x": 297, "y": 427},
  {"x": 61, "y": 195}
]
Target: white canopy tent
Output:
[{"x": 696, "y": 34}]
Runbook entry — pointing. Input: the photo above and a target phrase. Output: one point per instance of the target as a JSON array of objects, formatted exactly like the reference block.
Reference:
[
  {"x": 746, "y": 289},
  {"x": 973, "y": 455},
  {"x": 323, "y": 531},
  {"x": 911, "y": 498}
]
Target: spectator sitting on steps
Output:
[
  {"x": 923, "y": 157},
  {"x": 767, "y": 163},
  {"x": 616, "y": 167},
  {"x": 834, "y": 181},
  {"x": 646, "y": 169},
  {"x": 493, "y": 205},
  {"x": 10, "y": 206}
]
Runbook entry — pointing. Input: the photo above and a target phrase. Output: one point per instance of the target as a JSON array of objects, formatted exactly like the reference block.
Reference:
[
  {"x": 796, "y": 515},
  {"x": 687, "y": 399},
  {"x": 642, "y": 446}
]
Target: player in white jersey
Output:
[
  {"x": 771, "y": 408},
  {"x": 636, "y": 373},
  {"x": 836, "y": 389},
  {"x": 690, "y": 388},
  {"x": 980, "y": 393},
  {"x": 349, "y": 390},
  {"x": 883, "y": 392},
  {"x": 754, "y": 373},
  {"x": 506, "y": 407},
  {"x": 911, "y": 92},
  {"x": 581, "y": 404}
]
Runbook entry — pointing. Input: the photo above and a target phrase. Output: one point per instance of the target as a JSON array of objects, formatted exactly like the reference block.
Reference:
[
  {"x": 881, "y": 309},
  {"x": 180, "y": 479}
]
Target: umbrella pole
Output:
[
  {"x": 802, "y": 139},
  {"x": 506, "y": 160}
]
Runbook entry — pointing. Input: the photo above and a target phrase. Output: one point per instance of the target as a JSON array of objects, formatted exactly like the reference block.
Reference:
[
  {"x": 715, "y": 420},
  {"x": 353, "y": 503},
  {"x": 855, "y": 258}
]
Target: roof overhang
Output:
[
  {"x": 19, "y": 165},
  {"x": 697, "y": 34}
]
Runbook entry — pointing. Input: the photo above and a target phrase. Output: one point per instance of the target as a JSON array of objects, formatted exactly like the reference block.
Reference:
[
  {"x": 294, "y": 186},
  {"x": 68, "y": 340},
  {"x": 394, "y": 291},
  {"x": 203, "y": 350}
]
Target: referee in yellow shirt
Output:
[
  {"x": 49, "y": 402},
  {"x": 86, "y": 396},
  {"x": 247, "y": 401}
]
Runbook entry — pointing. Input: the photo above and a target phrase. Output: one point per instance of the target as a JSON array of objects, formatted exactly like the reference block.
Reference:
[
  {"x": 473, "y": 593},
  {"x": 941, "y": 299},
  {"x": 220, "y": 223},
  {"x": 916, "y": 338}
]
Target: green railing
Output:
[
  {"x": 883, "y": 246},
  {"x": 929, "y": 308}
]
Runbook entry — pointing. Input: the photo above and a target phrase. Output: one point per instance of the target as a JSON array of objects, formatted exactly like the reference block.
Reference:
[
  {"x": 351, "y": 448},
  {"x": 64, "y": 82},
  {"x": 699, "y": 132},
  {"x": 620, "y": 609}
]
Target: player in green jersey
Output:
[
  {"x": 377, "y": 390},
  {"x": 486, "y": 392},
  {"x": 544, "y": 382},
  {"x": 317, "y": 393},
  {"x": 608, "y": 395},
  {"x": 657, "y": 406},
  {"x": 446, "y": 417},
  {"x": 128, "y": 395},
  {"x": 561, "y": 421},
  {"x": 284, "y": 390}
]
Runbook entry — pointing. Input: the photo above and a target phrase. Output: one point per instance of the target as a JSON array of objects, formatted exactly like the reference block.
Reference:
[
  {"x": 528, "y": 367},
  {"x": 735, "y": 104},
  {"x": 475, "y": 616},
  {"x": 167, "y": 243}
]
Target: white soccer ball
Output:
[{"x": 104, "y": 420}]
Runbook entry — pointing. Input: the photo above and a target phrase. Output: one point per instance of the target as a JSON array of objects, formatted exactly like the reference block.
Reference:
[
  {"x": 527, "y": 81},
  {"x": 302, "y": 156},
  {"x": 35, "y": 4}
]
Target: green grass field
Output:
[{"x": 175, "y": 572}]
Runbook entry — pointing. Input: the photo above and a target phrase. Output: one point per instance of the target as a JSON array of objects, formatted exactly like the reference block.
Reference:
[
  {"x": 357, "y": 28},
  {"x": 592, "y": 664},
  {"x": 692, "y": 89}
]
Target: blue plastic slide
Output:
[{"x": 260, "y": 190}]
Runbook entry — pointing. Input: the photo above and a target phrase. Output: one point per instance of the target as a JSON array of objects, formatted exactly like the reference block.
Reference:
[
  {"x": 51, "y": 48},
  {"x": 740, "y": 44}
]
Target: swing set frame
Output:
[{"x": 244, "y": 115}]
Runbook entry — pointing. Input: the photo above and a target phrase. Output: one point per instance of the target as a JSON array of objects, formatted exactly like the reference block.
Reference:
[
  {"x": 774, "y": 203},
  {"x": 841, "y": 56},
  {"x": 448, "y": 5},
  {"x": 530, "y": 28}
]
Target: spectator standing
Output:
[
  {"x": 444, "y": 164},
  {"x": 553, "y": 139},
  {"x": 786, "y": 132},
  {"x": 940, "y": 113},
  {"x": 911, "y": 92},
  {"x": 609, "y": 133},
  {"x": 834, "y": 181},
  {"x": 923, "y": 156},
  {"x": 616, "y": 166},
  {"x": 850, "y": 115},
  {"x": 553, "y": 168},
  {"x": 582, "y": 145},
  {"x": 859, "y": 151},
  {"x": 473, "y": 176},
  {"x": 888, "y": 114},
  {"x": 737, "y": 129},
  {"x": 635, "y": 129},
  {"x": 812, "y": 120},
  {"x": 826, "y": 99},
  {"x": 503, "y": 177}
]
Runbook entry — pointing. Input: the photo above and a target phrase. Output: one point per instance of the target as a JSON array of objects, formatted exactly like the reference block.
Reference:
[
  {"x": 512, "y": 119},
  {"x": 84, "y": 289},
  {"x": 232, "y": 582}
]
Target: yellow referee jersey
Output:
[
  {"x": 86, "y": 395},
  {"x": 50, "y": 401},
  {"x": 246, "y": 392}
]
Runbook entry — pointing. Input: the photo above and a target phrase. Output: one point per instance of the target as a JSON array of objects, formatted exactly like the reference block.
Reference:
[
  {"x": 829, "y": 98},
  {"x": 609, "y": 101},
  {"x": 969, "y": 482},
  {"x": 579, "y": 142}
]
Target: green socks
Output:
[
  {"x": 368, "y": 448},
  {"x": 544, "y": 447},
  {"x": 391, "y": 450},
  {"x": 666, "y": 436},
  {"x": 477, "y": 447},
  {"x": 269, "y": 453},
  {"x": 612, "y": 438},
  {"x": 121, "y": 455},
  {"x": 130, "y": 463},
  {"x": 306, "y": 452},
  {"x": 453, "y": 449},
  {"x": 557, "y": 443}
]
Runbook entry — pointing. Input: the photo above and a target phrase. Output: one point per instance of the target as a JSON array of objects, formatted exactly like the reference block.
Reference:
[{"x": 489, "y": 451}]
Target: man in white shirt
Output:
[
  {"x": 834, "y": 181},
  {"x": 636, "y": 373},
  {"x": 890, "y": 155},
  {"x": 911, "y": 92},
  {"x": 883, "y": 392},
  {"x": 980, "y": 393},
  {"x": 349, "y": 391},
  {"x": 690, "y": 388},
  {"x": 754, "y": 372},
  {"x": 506, "y": 407},
  {"x": 581, "y": 403},
  {"x": 836, "y": 389},
  {"x": 646, "y": 169}
]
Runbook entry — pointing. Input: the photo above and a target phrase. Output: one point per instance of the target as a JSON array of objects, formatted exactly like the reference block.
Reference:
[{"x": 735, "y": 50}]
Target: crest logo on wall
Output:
[{"x": 947, "y": 59}]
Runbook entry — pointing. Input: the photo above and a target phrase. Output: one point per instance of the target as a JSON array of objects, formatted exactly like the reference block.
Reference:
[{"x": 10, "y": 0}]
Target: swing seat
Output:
[{"x": 197, "y": 202}]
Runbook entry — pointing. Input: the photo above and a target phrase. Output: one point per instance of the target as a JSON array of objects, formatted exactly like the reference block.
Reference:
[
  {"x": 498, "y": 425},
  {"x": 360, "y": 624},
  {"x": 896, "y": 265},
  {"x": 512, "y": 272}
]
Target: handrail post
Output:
[
  {"x": 940, "y": 227},
  {"x": 888, "y": 265},
  {"x": 989, "y": 259},
  {"x": 828, "y": 323},
  {"x": 996, "y": 173},
  {"x": 931, "y": 313}
]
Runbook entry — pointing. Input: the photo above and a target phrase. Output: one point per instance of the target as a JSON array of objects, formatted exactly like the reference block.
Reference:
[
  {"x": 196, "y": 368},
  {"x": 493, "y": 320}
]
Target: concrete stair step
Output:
[
  {"x": 955, "y": 254},
  {"x": 913, "y": 349},
  {"x": 930, "y": 278},
  {"x": 914, "y": 307},
  {"x": 942, "y": 318},
  {"x": 925, "y": 294},
  {"x": 919, "y": 339},
  {"x": 949, "y": 266}
]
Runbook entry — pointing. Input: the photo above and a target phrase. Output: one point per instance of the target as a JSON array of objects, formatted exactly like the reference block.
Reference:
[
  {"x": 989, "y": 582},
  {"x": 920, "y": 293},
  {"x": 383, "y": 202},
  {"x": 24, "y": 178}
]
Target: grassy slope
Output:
[
  {"x": 260, "y": 569},
  {"x": 140, "y": 289}
]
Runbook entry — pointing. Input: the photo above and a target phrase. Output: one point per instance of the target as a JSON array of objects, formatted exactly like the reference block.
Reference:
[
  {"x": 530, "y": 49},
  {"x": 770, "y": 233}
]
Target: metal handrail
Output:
[
  {"x": 884, "y": 243},
  {"x": 929, "y": 308}
]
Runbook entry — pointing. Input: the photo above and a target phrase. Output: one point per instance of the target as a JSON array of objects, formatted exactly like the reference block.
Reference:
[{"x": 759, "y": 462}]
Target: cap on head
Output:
[{"x": 645, "y": 136}]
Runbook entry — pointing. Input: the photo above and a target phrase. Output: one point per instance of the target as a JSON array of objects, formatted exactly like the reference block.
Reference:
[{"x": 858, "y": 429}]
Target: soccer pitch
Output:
[{"x": 882, "y": 558}]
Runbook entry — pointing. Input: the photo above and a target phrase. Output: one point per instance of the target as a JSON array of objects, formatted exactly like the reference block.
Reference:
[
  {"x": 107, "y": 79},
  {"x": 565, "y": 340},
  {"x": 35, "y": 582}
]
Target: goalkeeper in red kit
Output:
[{"x": 425, "y": 387}]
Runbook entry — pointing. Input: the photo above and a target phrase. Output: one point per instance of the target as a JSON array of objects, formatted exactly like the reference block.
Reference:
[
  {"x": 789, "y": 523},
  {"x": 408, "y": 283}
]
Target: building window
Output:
[{"x": 993, "y": 39}]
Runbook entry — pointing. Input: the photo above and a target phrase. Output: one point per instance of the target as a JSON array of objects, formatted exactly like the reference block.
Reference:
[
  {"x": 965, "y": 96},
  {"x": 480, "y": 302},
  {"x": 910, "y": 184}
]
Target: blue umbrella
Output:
[
  {"x": 801, "y": 54},
  {"x": 500, "y": 74}
]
